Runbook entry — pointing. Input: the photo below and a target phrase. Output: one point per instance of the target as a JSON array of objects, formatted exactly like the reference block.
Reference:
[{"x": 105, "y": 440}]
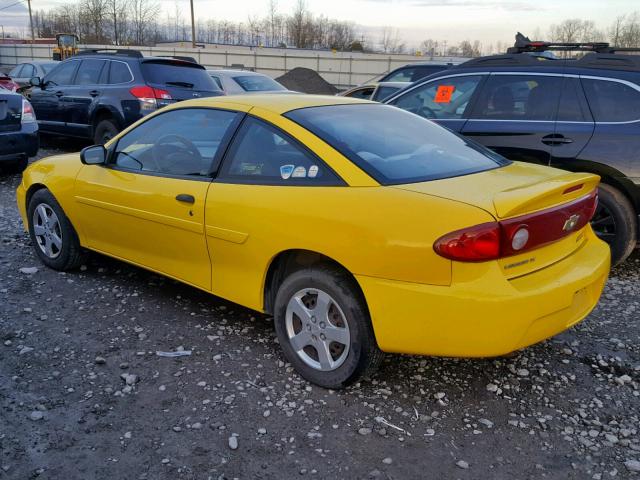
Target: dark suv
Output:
[
  {"x": 579, "y": 114},
  {"x": 97, "y": 93}
]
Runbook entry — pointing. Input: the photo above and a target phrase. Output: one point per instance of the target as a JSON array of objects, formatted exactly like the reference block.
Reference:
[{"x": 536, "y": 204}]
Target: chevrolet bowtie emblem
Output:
[{"x": 571, "y": 223}]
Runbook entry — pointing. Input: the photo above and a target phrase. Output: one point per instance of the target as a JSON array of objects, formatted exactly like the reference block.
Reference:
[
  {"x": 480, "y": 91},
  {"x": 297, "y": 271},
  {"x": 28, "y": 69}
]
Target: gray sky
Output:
[{"x": 451, "y": 20}]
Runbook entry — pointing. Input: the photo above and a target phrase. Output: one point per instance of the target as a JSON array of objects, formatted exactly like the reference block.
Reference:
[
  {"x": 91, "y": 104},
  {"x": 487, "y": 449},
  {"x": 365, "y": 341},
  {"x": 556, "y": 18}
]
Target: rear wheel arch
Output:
[{"x": 289, "y": 261}]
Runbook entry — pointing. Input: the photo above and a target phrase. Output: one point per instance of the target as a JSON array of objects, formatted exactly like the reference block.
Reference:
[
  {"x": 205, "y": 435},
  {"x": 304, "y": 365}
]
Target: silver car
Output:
[
  {"x": 241, "y": 82},
  {"x": 24, "y": 72}
]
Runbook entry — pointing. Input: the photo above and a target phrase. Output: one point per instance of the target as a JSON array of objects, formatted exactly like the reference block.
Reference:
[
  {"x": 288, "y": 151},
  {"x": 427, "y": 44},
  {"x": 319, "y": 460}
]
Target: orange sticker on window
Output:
[{"x": 443, "y": 94}]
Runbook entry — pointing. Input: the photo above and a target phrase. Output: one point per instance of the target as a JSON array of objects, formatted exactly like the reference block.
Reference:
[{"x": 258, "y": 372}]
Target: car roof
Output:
[{"x": 277, "y": 103}]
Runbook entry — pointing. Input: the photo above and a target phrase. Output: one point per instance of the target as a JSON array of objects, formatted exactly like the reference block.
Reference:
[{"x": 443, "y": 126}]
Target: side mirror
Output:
[
  {"x": 35, "y": 81},
  {"x": 94, "y": 155}
]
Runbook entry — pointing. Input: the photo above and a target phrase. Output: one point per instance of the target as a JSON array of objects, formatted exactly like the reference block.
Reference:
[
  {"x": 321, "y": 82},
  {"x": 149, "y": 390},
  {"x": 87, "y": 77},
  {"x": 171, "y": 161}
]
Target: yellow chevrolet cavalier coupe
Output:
[{"x": 360, "y": 227}]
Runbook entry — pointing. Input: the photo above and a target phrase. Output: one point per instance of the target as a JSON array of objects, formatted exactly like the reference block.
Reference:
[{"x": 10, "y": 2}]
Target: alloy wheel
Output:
[
  {"x": 47, "y": 230},
  {"x": 317, "y": 329}
]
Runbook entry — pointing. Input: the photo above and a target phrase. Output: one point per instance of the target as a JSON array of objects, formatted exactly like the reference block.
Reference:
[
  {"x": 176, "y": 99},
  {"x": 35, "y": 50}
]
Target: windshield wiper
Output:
[{"x": 180, "y": 84}]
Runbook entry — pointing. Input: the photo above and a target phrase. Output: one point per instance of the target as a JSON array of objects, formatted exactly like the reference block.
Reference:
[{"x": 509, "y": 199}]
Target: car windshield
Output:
[
  {"x": 395, "y": 146},
  {"x": 257, "y": 83},
  {"x": 176, "y": 74}
]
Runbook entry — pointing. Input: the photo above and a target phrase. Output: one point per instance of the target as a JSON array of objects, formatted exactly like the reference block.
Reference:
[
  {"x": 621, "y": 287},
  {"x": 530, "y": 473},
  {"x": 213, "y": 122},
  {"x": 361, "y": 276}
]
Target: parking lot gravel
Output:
[{"x": 85, "y": 394}]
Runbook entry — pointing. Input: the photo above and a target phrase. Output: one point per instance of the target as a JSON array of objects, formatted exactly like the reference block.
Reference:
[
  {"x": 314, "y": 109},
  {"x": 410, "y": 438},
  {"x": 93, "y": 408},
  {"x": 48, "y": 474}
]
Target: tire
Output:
[
  {"x": 343, "y": 363},
  {"x": 615, "y": 222},
  {"x": 55, "y": 241},
  {"x": 105, "y": 130},
  {"x": 15, "y": 166}
]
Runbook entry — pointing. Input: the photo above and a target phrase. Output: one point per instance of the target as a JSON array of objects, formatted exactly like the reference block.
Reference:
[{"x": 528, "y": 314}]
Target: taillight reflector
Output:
[
  {"x": 144, "y": 92},
  {"x": 490, "y": 241}
]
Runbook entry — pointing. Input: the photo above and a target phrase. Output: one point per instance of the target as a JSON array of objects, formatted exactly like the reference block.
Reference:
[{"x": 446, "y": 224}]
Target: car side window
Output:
[
  {"x": 218, "y": 81},
  {"x": 263, "y": 154},
  {"x": 573, "y": 105},
  {"x": 15, "y": 72},
  {"x": 28, "y": 71},
  {"x": 443, "y": 98},
  {"x": 89, "y": 72},
  {"x": 63, "y": 73},
  {"x": 612, "y": 101},
  {"x": 519, "y": 97},
  {"x": 119, "y": 73},
  {"x": 178, "y": 142}
]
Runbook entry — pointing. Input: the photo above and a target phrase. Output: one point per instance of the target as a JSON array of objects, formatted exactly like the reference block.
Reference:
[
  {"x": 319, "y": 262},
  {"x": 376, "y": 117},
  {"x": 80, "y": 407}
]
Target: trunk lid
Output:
[
  {"x": 517, "y": 190},
  {"x": 10, "y": 112}
]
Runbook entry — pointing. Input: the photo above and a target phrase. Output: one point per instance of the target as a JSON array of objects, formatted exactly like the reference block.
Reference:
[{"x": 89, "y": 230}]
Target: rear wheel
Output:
[
  {"x": 105, "y": 130},
  {"x": 54, "y": 238},
  {"x": 323, "y": 327},
  {"x": 615, "y": 222}
]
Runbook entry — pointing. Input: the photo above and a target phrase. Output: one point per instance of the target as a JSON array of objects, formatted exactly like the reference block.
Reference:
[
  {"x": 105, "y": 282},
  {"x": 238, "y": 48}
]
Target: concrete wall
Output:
[{"x": 343, "y": 69}]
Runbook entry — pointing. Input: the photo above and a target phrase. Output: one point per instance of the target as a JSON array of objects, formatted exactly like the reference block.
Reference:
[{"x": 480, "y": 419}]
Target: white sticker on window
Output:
[
  {"x": 299, "y": 172},
  {"x": 286, "y": 171},
  {"x": 313, "y": 171}
]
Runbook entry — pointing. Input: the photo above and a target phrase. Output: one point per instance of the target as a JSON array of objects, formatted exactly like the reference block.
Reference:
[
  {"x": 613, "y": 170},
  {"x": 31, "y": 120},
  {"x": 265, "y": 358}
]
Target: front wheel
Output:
[
  {"x": 615, "y": 222},
  {"x": 54, "y": 238},
  {"x": 323, "y": 327}
]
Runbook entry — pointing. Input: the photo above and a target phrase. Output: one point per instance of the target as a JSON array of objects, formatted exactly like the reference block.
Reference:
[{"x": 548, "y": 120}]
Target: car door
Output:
[
  {"x": 574, "y": 125},
  {"x": 446, "y": 100},
  {"x": 47, "y": 99},
  {"x": 515, "y": 114},
  {"x": 147, "y": 204},
  {"x": 265, "y": 173},
  {"x": 81, "y": 97}
]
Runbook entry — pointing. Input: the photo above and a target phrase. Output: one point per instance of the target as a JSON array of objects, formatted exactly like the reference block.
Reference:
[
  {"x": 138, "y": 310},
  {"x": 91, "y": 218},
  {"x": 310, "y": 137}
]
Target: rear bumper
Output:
[
  {"x": 19, "y": 144},
  {"x": 490, "y": 315}
]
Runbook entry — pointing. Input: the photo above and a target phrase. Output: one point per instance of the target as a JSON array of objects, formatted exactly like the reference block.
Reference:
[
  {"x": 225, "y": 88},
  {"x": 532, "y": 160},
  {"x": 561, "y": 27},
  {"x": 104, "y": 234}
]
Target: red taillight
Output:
[
  {"x": 146, "y": 92},
  {"x": 28, "y": 115},
  {"x": 475, "y": 244},
  {"x": 512, "y": 236}
]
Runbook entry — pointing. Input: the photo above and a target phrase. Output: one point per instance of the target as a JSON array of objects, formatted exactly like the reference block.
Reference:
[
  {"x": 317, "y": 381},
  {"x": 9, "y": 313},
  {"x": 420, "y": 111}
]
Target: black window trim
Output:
[
  {"x": 222, "y": 148},
  {"x": 247, "y": 180}
]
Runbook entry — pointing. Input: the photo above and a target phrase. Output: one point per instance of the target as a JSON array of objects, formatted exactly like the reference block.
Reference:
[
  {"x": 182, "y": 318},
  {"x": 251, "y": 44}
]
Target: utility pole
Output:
[
  {"x": 33, "y": 37},
  {"x": 193, "y": 27}
]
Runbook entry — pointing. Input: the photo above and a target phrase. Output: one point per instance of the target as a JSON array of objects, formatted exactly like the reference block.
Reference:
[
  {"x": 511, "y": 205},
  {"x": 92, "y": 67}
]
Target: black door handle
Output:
[
  {"x": 59, "y": 93},
  {"x": 186, "y": 198},
  {"x": 556, "y": 139},
  {"x": 94, "y": 93}
]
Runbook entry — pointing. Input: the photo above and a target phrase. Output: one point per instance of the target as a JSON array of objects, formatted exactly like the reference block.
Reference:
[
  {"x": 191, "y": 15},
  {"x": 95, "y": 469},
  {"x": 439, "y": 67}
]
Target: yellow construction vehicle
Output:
[{"x": 67, "y": 46}]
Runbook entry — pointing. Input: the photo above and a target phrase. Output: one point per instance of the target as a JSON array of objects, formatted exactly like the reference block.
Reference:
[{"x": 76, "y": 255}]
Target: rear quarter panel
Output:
[{"x": 371, "y": 231}]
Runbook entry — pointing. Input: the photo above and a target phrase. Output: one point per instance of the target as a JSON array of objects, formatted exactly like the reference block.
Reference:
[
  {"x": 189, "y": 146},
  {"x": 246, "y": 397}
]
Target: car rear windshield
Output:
[
  {"x": 257, "y": 83},
  {"x": 393, "y": 145},
  {"x": 178, "y": 74}
]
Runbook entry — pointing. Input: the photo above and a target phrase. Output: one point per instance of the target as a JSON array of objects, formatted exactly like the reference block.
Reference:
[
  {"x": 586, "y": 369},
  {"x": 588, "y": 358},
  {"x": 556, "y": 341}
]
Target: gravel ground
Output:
[{"x": 83, "y": 393}]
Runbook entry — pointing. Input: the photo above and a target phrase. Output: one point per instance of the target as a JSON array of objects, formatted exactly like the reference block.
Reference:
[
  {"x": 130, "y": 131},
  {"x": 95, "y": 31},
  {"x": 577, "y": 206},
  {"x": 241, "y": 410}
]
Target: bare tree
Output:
[
  {"x": 143, "y": 13},
  {"x": 391, "y": 42},
  {"x": 117, "y": 11}
]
